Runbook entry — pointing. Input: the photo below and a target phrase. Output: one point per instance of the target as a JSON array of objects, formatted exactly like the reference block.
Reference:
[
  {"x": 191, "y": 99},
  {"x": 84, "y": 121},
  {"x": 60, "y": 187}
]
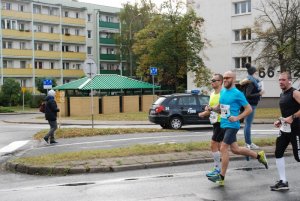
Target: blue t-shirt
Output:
[{"x": 230, "y": 103}]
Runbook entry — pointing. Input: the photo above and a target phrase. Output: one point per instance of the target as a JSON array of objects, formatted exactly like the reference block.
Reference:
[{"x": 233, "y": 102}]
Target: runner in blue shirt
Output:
[{"x": 231, "y": 100}]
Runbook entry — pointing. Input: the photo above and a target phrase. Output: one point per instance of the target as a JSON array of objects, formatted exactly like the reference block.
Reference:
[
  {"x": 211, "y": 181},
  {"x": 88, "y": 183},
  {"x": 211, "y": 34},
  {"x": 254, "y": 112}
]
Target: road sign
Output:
[
  {"x": 47, "y": 84},
  {"x": 153, "y": 71},
  {"x": 90, "y": 68}
]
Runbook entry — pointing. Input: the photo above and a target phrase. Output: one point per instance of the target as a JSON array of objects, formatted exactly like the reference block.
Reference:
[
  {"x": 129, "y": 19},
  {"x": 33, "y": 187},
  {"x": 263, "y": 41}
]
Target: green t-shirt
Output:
[{"x": 214, "y": 101}]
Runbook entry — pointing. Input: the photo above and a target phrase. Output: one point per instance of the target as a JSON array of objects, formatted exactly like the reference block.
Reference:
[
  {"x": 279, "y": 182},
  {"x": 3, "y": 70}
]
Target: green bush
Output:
[
  {"x": 5, "y": 110},
  {"x": 36, "y": 100}
]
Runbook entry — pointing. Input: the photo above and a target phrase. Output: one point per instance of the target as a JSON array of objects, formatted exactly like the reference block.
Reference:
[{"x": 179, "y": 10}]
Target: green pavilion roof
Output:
[{"x": 106, "y": 82}]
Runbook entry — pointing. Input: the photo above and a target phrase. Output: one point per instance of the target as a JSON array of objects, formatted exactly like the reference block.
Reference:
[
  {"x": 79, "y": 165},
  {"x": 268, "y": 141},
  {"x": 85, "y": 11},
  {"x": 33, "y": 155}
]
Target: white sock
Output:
[
  {"x": 280, "y": 163},
  {"x": 216, "y": 156}
]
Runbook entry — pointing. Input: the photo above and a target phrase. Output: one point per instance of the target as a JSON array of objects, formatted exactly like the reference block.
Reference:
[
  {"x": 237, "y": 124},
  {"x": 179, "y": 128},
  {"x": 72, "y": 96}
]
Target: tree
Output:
[
  {"x": 40, "y": 85},
  {"x": 277, "y": 31},
  {"x": 10, "y": 92},
  {"x": 171, "y": 42}
]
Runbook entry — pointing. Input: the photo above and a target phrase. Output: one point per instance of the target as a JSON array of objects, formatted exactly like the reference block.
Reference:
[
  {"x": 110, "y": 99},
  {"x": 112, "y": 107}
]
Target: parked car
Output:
[{"x": 175, "y": 110}]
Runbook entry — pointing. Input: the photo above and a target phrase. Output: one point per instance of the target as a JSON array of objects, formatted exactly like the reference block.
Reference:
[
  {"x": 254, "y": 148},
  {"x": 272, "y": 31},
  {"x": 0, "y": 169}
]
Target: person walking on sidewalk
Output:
[
  {"x": 252, "y": 89},
  {"x": 214, "y": 117},
  {"x": 51, "y": 115},
  {"x": 289, "y": 125},
  {"x": 231, "y": 100}
]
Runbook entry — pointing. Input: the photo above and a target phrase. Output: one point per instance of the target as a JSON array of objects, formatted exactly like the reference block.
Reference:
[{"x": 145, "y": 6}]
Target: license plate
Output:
[{"x": 152, "y": 112}]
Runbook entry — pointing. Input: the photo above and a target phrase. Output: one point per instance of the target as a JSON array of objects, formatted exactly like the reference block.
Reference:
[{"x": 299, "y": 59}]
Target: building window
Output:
[
  {"x": 5, "y": 64},
  {"x": 51, "y": 65},
  {"x": 7, "y": 45},
  {"x": 65, "y": 48},
  {"x": 89, "y": 16},
  {"x": 77, "y": 48},
  {"x": 22, "y": 45},
  {"x": 37, "y": 9},
  {"x": 89, "y": 34},
  {"x": 242, "y": 35},
  {"x": 21, "y": 26},
  {"x": 242, "y": 7},
  {"x": 110, "y": 51},
  {"x": 51, "y": 29},
  {"x": 65, "y": 31},
  {"x": 77, "y": 32},
  {"x": 38, "y": 46},
  {"x": 22, "y": 64},
  {"x": 51, "y": 47},
  {"x": 241, "y": 61},
  {"x": 66, "y": 14},
  {"x": 38, "y": 65},
  {"x": 77, "y": 15},
  {"x": 78, "y": 66},
  {"x": 89, "y": 50},
  {"x": 109, "y": 19},
  {"x": 21, "y": 8},
  {"x": 66, "y": 65},
  {"x": 6, "y": 6}
]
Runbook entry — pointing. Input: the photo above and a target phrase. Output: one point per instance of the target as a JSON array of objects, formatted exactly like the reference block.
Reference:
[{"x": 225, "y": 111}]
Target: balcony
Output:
[
  {"x": 107, "y": 41},
  {"x": 73, "y": 39},
  {"x": 73, "y": 73},
  {"x": 73, "y": 21},
  {"x": 111, "y": 25},
  {"x": 16, "y": 15},
  {"x": 17, "y": 53},
  {"x": 47, "y": 72},
  {"x": 46, "y": 18},
  {"x": 109, "y": 57},
  {"x": 20, "y": 72},
  {"x": 47, "y": 36},
  {"x": 40, "y": 54},
  {"x": 16, "y": 34},
  {"x": 74, "y": 56}
]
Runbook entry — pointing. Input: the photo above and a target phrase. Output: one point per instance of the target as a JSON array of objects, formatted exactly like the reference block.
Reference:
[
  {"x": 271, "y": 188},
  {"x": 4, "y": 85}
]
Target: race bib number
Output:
[
  {"x": 213, "y": 117},
  {"x": 285, "y": 127},
  {"x": 225, "y": 111}
]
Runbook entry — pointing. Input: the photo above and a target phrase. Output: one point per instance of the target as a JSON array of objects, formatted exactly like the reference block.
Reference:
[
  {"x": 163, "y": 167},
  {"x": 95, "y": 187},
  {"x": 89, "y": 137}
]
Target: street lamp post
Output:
[{"x": 130, "y": 39}]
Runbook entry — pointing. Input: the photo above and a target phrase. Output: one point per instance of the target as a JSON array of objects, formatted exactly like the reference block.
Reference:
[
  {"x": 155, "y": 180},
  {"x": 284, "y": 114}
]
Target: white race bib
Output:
[
  {"x": 213, "y": 117},
  {"x": 285, "y": 127},
  {"x": 225, "y": 111}
]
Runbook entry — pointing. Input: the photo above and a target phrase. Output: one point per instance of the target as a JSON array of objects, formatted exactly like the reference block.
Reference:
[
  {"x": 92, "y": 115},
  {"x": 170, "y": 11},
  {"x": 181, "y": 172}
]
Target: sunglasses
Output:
[{"x": 213, "y": 80}]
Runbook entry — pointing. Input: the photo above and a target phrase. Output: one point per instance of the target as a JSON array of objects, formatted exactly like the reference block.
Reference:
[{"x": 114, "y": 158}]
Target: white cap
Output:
[{"x": 51, "y": 93}]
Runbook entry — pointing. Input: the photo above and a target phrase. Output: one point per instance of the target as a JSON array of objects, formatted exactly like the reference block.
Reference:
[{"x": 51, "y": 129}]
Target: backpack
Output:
[{"x": 42, "y": 107}]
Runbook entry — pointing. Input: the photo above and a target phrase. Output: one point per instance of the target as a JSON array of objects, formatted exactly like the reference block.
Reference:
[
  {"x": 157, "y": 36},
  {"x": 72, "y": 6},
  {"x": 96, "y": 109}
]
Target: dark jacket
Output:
[
  {"x": 51, "y": 109},
  {"x": 250, "y": 91}
]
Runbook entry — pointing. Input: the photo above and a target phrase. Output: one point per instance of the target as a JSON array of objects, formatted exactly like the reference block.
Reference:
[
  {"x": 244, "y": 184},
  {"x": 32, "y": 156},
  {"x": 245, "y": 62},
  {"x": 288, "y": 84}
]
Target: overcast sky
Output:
[{"x": 116, "y": 3}]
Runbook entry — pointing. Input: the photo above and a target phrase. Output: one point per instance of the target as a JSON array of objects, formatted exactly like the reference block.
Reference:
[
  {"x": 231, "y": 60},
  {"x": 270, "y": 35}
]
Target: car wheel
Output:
[
  {"x": 165, "y": 126},
  {"x": 176, "y": 123}
]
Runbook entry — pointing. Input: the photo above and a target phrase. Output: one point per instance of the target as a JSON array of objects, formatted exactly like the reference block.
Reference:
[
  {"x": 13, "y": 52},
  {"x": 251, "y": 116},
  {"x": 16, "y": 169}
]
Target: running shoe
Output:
[
  {"x": 215, "y": 171},
  {"x": 217, "y": 179},
  {"x": 280, "y": 186},
  {"x": 262, "y": 159},
  {"x": 252, "y": 146}
]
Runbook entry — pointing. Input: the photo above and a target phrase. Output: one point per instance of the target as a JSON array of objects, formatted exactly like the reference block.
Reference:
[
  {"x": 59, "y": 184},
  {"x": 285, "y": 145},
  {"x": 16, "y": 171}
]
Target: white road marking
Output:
[{"x": 13, "y": 146}]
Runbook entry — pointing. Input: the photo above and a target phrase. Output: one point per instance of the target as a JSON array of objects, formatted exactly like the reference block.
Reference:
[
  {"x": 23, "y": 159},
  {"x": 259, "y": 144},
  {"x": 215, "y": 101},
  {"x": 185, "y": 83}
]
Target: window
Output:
[
  {"x": 65, "y": 31},
  {"x": 21, "y": 8},
  {"x": 37, "y": 9},
  {"x": 77, "y": 15},
  {"x": 78, "y": 66},
  {"x": 66, "y": 65},
  {"x": 51, "y": 47},
  {"x": 39, "y": 28},
  {"x": 77, "y": 32},
  {"x": 7, "y": 6},
  {"x": 242, "y": 7},
  {"x": 7, "y": 63},
  {"x": 51, "y": 29},
  {"x": 21, "y": 26},
  {"x": 38, "y": 65},
  {"x": 242, "y": 35},
  {"x": 38, "y": 46},
  {"x": 89, "y": 34},
  {"x": 22, "y": 45},
  {"x": 65, "y": 48},
  {"x": 77, "y": 48},
  {"x": 89, "y": 50},
  {"x": 241, "y": 61},
  {"x": 9, "y": 24},
  {"x": 66, "y": 14},
  {"x": 7, "y": 45},
  {"x": 22, "y": 64},
  {"x": 110, "y": 51},
  {"x": 52, "y": 11},
  {"x": 51, "y": 65},
  {"x": 109, "y": 19},
  {"x": 89, "y": 16}
]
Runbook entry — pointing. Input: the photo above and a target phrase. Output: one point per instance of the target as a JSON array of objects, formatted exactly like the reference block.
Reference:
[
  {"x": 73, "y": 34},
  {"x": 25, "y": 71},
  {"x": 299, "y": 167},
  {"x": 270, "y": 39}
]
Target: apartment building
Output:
[
  {"x": 227, "y": 27},
  {"x": 52, "y": 38}
]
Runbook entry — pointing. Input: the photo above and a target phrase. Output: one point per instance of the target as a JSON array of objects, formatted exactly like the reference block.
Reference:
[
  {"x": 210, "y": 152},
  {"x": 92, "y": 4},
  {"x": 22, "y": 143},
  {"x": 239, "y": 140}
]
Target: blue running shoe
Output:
[
  {"x": 217, "y": 179},
  {"x": 215, "y": 171}
]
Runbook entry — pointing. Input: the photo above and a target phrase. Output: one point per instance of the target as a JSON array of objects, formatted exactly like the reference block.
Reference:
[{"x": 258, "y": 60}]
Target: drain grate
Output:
[{"x": 78, "y": 184}]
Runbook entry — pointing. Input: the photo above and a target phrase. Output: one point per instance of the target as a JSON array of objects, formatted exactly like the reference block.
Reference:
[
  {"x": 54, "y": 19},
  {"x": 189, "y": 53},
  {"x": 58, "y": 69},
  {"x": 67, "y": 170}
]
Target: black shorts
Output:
[
  {"x": 218, "y": 132},
  {"x": 284, "y": 139}
]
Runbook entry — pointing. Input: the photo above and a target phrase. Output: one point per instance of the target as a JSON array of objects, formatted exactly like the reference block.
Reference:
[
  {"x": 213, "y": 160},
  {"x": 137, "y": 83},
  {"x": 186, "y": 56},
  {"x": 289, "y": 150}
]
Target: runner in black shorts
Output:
[
  {"x": 289, "y": 125},
  {"x": 218, "y": 134}
]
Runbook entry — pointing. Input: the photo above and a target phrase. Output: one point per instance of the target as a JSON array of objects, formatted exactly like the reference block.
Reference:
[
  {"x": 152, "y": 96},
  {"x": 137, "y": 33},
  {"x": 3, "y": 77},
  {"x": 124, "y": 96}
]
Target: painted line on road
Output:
[{"x": 13, "y": 146}]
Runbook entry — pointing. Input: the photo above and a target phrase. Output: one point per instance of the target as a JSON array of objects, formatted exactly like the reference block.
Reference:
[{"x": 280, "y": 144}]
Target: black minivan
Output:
[{"x": 175, "y": 110}]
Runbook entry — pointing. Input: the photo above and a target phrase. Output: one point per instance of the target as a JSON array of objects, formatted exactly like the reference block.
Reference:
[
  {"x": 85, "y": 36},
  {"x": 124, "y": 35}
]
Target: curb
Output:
[{"x": 83, "y": 169}]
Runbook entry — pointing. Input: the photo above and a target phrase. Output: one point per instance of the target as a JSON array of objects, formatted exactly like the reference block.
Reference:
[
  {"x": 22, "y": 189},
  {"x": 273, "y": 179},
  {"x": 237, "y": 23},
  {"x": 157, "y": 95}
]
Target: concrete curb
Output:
[{"x": 83, "y": 167}]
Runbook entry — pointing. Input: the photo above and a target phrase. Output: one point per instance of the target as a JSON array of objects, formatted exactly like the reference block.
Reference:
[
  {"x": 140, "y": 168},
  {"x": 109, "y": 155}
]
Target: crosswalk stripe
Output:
[{"x": 13, "y": 146}]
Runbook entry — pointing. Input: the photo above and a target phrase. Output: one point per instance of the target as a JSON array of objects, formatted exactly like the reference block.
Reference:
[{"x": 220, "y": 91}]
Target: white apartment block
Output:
[
  {"x": 52, "y": 38},
  {"x": 227, "y": 27}
]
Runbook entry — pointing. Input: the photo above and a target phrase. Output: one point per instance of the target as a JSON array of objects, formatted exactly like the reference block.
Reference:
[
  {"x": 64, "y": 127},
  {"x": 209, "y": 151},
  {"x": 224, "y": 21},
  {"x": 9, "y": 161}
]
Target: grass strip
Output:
[
  {"x": 135, "y": 150},
  {"x": 89, "y": 132}
]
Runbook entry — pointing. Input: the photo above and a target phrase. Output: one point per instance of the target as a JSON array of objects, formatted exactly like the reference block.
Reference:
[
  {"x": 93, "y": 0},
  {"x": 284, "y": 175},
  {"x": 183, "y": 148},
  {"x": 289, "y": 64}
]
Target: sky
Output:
[{"x": 116, "y": 3}]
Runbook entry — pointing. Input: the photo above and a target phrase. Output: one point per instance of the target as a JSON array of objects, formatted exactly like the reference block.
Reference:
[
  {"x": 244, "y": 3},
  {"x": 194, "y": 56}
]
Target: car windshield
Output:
[{"x": 159, "y": 100}]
